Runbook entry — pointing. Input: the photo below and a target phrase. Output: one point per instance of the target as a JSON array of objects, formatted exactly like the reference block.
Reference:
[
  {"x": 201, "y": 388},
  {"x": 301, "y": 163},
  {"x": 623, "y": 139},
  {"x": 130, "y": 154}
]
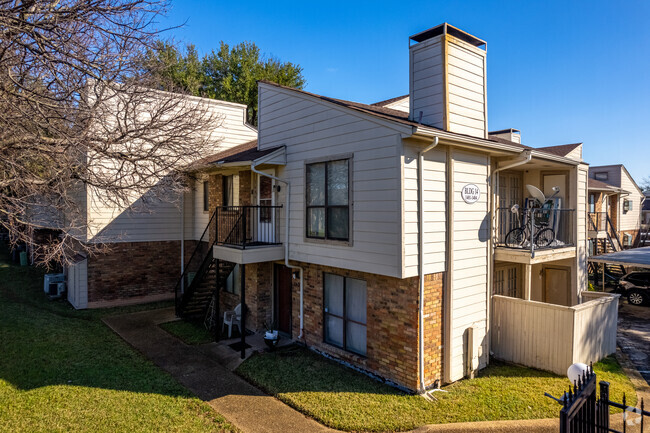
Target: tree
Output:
[
  {"x": 229, "y": 74},
  {"x": 645, "y": 184},
  {"x": 77, "y": 112}
]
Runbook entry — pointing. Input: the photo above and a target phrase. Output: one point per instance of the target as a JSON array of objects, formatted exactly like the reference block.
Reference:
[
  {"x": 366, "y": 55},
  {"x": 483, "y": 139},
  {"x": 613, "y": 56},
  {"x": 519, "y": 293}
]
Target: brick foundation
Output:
[
  {"x": 392, "y": 324},
  {"x": 134, "y": 272}
]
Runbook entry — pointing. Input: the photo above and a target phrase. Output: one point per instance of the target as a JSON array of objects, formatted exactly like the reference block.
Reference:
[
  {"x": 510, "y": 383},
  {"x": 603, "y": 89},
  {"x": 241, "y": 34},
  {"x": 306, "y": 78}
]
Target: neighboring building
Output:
[
  {"x": 615, "y": 207},
  {"x": 394, "y": 222},
  {"x": 143, "y": 259}
]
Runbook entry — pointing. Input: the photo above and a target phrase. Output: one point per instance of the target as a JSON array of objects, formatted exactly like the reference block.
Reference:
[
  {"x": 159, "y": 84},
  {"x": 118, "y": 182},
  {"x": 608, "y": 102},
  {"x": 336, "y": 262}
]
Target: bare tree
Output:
[{"x": 78, "y": 113}]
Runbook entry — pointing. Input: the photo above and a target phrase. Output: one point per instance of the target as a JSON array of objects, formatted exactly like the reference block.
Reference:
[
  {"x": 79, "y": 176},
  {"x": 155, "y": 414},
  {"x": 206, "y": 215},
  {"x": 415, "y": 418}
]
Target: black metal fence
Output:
[
  {"x": 598, "y": 221},
  {"x": 247, "y": 226},
  {"x": 535, "y": 228},
  {"x": 582, "y": 411}
]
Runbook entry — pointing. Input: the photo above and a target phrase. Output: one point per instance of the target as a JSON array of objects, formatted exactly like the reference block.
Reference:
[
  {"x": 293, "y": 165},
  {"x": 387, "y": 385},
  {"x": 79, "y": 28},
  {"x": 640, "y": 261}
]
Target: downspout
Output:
[
  {"x": 421, "y": 259},
  {"x": 286, "y": 242},
  {"x": 182, "y": 240}
]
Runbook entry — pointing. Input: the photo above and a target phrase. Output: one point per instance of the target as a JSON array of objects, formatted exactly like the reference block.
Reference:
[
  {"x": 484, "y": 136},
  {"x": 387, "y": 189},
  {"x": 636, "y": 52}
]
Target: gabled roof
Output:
[
  {"x": 389, "y": 101},
  {"x": 598, "y": 185},
  {"x": 398, "y": 116},
  {"x": 561, "y": 150},
  {"x": 242, "y": 153},
  {"x": 620, "y": 167}
]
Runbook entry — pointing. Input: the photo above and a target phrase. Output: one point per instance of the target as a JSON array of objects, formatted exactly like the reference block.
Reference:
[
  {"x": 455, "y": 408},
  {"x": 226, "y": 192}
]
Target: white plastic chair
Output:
[{"x": 232, "y": 318}]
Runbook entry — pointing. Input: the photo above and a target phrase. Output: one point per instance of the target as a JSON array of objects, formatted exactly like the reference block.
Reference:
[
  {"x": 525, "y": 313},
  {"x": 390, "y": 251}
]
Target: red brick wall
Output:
[
  {"x": 392, "y": 323},
  {"x": 259, "y": 293},
  {"x": 133, "y": 270}
]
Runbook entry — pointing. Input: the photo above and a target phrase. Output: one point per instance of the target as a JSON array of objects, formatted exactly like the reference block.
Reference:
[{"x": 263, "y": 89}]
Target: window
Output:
[
  {"x": 328, "y": 209},
  {"x": 233, "y": 282},
  {"x": 206, "y": 196},
  {"x": 345, "y": 313},
  {"x": 226, "y": 191},
  {"x": 592, "y": 203},
  {"x": 603, "y": 175},
  {"x": 627, "y": 205}
]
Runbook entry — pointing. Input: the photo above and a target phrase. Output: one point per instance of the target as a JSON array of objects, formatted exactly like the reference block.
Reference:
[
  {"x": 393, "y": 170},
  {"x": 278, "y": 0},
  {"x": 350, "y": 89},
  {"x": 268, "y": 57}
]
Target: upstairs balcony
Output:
[
  {"x": 597, "y": 224},
  {"x": 248, "y": 234},
  {"x": 535, "y": 235}
]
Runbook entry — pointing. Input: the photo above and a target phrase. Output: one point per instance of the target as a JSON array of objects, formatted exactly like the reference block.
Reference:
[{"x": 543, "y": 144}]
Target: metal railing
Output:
[
  {"x": 598, "y": 221},
  {"x": 535, "y": 229},
  {"x": 583, "y": 411},
  {"x": 248, "y": 226}
]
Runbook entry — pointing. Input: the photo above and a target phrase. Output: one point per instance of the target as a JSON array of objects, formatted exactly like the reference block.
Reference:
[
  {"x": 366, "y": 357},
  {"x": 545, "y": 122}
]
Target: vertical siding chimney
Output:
[{"x": 447, "y": 80}]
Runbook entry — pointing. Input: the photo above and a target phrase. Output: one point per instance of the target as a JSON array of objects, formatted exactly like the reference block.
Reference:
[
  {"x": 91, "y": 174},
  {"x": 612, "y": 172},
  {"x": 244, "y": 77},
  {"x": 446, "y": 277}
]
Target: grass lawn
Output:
[
  {"x": 64, "y": 370},
  {"x": 344, "y": 399},
  {"x": 189, "y": 332}
]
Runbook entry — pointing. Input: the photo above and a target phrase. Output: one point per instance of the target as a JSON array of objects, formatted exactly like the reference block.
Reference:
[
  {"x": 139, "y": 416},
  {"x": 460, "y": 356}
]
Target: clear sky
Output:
[{"x": 560, "y": 71}]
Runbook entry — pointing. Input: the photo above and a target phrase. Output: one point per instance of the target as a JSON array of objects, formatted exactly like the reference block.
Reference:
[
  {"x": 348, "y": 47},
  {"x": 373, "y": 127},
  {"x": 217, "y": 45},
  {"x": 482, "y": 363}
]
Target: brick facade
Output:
[
  {"x": 131, "y": 272},
  {"x": 392, "y": 324},
  {"x": 259, "y": 295}
]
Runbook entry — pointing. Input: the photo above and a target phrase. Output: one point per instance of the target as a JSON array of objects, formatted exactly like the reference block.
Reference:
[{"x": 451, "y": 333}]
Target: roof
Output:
[
  {"x": 561, "y": 150},
  {"x": 243, "y": 152},
  {"x": 620, "y": 167},
  {"x": 639, "y": 257},
  {"x": 446, "y": 28},
  {"x": 600, "y": 185},
  {"x": 389, "y": 101},
  {"x": 395, "y": 115}
]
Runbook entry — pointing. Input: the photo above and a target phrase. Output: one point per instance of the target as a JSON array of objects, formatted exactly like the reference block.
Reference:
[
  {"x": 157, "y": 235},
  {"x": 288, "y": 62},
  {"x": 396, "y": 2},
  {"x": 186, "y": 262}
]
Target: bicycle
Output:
[{"x": 544, "y": 235}]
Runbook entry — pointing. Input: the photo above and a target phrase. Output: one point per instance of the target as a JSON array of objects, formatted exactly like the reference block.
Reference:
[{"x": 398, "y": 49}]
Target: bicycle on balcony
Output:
[{"x": 535, "y": 221}]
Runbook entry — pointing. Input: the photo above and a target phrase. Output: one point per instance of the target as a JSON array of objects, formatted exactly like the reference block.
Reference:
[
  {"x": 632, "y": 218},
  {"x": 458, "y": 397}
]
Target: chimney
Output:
[
  {"x": 511, "y": 134},
  {"x": 447, "y": 80}
]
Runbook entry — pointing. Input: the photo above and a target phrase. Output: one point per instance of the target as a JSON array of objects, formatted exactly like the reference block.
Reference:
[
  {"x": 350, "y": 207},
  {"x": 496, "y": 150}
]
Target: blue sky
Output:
[{"x": 560, "y": 71}]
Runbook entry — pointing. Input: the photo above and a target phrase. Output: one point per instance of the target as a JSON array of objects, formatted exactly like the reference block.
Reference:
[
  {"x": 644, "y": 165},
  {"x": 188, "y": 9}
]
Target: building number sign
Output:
[{"x": 470, "y": 193}]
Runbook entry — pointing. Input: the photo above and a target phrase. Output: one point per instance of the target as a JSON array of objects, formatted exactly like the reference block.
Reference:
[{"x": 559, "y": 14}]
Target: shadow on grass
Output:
[{"x": 47, "y": 343}]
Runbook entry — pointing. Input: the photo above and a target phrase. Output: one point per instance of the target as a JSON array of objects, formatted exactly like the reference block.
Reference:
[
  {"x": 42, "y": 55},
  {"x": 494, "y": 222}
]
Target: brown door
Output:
[
  {"x": 557, "y": 285},
  {"x": 283, "y": 298}
]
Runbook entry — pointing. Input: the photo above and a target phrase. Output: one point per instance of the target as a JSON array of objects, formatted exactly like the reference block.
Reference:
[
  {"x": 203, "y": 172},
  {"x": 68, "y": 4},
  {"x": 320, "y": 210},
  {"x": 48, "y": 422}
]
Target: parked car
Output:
[{"x": 636, "y": 286}]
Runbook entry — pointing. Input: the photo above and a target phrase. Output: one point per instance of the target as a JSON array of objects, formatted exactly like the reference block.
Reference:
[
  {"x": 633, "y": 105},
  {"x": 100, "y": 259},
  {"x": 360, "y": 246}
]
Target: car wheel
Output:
[{"x": 635, "y": 297}]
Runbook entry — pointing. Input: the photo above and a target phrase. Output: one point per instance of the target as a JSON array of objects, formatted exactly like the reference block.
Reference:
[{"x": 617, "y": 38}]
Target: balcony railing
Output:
[
  {"x": 598, "y": 221},
  {"x": 535, "y": 229},
  {"x": 248, "y": 226}
]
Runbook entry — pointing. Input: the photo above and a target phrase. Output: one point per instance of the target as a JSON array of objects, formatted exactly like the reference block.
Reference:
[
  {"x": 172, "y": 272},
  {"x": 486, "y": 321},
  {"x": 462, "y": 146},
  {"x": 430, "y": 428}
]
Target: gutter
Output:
[
  {"x": 421, "y": 260},
  {"x": 286, "y": 243}
]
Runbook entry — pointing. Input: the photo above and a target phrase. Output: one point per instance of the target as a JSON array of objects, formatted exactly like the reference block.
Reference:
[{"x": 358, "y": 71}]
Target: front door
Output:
[
  {"x": 282, "y": 298},
  {"x": 557, "y": 285},
  {"x": 265, "y": 216}
]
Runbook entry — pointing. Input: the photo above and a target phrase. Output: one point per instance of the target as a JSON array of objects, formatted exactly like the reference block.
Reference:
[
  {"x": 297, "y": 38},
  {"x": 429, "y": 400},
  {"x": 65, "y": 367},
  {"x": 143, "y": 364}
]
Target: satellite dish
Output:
[{"x": 536, "y": 193}]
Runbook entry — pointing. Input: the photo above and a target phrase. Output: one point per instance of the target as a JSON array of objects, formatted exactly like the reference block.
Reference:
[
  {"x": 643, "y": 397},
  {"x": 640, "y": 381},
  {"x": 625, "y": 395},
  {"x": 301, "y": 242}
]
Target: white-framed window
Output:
[
  {"x": 227, "y": 192},
  {"x": 328, "y": 200},
  {"x": 345, "y": 306},
  {"x": 206, "y": 196},
  {"x": 233, "y": 282}
]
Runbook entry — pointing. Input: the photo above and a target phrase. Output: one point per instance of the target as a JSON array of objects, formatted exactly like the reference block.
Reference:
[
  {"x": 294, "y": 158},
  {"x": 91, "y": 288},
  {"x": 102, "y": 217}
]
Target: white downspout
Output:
[
  {"x": 182, "y": 240},
  {"x": 286, "y": 242},
  {"x": 421, "y": 259}
]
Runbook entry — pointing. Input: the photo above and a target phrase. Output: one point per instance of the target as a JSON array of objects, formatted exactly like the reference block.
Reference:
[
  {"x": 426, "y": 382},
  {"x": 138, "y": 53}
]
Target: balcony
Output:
[
  {"x": 535, "y": 235},
  {"x": 248, "y": 234},
  {"x": 597, "y": 224}
]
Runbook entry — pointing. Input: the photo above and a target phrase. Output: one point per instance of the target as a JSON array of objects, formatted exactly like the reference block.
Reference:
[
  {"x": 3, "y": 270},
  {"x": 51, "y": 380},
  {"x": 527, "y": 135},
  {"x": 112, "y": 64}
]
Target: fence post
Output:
[
  {"x": 244, "y": 229},
  {"x": 603, "y": 407}
]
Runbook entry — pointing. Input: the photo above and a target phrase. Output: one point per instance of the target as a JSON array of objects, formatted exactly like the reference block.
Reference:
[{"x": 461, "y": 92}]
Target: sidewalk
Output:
[{"x": 245, "y": 406}]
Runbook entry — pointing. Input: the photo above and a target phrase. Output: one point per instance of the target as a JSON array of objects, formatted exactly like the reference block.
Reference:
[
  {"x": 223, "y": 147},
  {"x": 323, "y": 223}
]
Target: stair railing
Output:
[
  {"x": 613, "y": 234},
  {"x": 193, "y": 266}
]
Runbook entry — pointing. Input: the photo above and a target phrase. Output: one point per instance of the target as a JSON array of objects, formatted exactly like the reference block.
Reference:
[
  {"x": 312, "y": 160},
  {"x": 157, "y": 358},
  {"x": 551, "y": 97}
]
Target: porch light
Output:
[{"x": 576, "y": 371}]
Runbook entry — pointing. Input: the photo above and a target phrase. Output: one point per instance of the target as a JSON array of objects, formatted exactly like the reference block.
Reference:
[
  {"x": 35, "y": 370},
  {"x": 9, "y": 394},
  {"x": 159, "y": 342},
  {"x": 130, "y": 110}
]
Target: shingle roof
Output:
[
  {"x": 389, "y": 101},
  {"x": 378, "y": 110},
  {"x": 600, "y": 185},
  {"x": 243, "y": 152},
  {"x": 561, "y": 150}
]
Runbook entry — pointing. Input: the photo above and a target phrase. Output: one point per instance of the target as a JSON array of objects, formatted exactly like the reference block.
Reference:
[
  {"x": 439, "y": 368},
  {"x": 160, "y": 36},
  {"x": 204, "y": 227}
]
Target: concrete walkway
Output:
[{"x": 245, "y": 406}]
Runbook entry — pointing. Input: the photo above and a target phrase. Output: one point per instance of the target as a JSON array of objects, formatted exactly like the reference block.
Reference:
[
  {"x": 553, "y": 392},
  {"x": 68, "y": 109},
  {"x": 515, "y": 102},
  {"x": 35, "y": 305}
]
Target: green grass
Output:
[
  {"x": 189, "y": 332},
  {"x": 344, "y": 399},
  {"x": 63, "y": 370}
]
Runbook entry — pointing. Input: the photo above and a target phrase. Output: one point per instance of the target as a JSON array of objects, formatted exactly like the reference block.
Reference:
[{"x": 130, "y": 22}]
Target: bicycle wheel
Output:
[
  {"x": 544, "y": 237},
  {"x": 516, "y": 238}
]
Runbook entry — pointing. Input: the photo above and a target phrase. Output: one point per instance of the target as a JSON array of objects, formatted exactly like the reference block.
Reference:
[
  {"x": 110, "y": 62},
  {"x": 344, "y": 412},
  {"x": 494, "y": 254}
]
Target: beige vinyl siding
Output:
[
  {"x": 632, "y": 219},
  {"x": 435, "y": 210},
  {"x": 470, "y": 261},
  {"x": 581, "y": 227},
  {"x": 426, "y": 82},
  {"x": 466, "y": 73},
  {"x": 313, "y": 130},
  {"x": 400, "y": 105},
  {"x": 77, "y": 284},
  {"x": 150, "y": 218}
]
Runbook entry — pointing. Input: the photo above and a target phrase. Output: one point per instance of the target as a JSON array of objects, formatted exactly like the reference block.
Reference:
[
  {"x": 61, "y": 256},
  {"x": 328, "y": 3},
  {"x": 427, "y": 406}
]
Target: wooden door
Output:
[
  {"x": 557, "y": 285},
  {"x": 282, "y": 297}
]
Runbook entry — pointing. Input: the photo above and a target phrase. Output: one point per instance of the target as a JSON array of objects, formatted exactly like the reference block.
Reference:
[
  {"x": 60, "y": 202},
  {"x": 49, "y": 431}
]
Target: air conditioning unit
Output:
[{"x": 50, "y": 284}]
